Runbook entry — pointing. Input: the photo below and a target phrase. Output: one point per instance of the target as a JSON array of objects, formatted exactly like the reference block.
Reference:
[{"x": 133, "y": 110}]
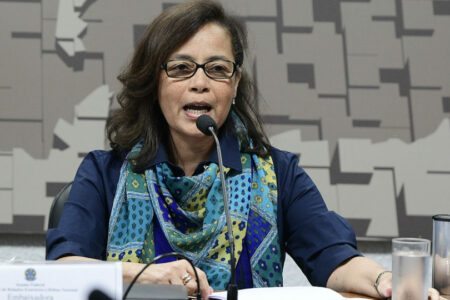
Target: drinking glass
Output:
[
  {"x": 441, "y": 254},
  {"x": 411, "y": 274}
]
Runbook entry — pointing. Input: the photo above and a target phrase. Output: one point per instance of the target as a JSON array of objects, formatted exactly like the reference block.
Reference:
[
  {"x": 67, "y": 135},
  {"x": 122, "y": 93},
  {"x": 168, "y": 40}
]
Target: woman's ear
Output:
[{"x": 236, "y": 82}]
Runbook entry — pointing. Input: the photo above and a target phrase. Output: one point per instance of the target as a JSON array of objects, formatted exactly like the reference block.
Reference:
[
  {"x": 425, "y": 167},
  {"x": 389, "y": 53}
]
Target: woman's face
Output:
[{"x": 182, "y": 101}]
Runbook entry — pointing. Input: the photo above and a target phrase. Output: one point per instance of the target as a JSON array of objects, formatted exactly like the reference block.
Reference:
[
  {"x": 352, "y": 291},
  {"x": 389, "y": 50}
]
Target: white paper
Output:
[
  {"x": 59, "y": 280},
  {"x": 284, "y": 293}
]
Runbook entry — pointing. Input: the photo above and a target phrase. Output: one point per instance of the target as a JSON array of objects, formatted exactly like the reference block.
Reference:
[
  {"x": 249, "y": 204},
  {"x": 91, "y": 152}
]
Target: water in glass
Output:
[{"x": 413, "y": 277}]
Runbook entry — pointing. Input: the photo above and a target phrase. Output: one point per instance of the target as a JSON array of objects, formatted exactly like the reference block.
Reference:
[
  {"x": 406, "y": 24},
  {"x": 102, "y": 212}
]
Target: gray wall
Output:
[{"x": 359, "y": 89}]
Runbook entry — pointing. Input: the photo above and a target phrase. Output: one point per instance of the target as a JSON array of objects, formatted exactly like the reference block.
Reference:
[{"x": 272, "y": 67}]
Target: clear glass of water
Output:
[
  {"x": 441, "y": 254},
  {"x": 411, "y": 269}
]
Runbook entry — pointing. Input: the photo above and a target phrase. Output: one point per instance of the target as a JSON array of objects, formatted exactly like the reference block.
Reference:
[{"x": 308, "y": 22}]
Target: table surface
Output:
[{"x": 351, "y": 295}]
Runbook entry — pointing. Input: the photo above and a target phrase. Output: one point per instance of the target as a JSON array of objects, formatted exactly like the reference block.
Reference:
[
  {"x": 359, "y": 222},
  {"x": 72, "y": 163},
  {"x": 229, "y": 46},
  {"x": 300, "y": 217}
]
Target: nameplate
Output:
[{"x": 59, "y": 280}]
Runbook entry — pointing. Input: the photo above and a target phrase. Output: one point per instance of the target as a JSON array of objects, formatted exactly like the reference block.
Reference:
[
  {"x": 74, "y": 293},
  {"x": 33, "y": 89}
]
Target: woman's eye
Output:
[
  {"x": 180, "y": 67},
  {"x": 218, "y": 69},
  {"x": 183, "y": 67}
]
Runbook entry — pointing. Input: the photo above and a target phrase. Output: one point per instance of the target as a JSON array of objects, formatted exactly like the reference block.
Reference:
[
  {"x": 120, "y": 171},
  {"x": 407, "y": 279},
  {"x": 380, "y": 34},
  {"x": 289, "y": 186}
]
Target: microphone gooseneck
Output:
[{"x": 208, "y": 126}]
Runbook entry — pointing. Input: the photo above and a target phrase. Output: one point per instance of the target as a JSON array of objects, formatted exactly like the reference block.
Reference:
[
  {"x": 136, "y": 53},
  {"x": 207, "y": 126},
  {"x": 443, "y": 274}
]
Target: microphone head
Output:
[
  {"x": 204, "y": 122},
  {"x": 98, "y": 295}
]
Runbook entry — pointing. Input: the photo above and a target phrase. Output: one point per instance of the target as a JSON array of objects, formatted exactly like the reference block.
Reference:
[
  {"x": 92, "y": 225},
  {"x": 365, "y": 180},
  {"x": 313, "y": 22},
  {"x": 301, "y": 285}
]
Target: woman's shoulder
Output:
[
  {"x": 288, "y": 170},
  {"x": 104, "y": 156},
  {"x": 102, "y": 161},
  {"x": 283, "y": 159}
]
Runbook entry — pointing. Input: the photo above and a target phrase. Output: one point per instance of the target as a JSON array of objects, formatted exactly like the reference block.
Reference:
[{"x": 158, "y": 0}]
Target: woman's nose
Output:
[{"x": 199, "y": 82}]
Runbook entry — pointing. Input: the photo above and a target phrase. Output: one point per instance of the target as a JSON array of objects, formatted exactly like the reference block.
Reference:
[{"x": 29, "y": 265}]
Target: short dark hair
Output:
[{"x": 139, "y": 117}]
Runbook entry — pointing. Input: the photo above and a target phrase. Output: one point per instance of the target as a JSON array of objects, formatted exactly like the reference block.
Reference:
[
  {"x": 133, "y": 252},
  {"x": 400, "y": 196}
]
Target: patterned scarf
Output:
[{"x": 190, "y": 212}]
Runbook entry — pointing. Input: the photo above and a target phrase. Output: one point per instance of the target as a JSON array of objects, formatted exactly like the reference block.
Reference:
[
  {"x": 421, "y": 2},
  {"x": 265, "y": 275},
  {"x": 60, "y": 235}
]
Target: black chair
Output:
[{"x": 58, "y": 205}]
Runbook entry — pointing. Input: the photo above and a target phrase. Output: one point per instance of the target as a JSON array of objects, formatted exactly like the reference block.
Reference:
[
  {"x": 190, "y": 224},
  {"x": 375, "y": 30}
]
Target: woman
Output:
[{"x": 158, "y": 190}]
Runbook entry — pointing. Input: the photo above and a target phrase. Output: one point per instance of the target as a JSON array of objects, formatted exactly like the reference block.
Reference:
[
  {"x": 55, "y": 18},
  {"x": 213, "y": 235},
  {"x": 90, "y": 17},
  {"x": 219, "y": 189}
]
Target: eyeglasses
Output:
[{"x": 214, "y": 69}]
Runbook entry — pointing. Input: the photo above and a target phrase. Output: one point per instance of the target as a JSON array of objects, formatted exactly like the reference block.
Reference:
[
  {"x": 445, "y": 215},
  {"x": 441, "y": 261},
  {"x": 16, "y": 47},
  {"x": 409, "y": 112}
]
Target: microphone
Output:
[
  {"x": 98, "y": 295},
  {"x": 208, "y": 127},
  {"x": 204, "y": 123}
]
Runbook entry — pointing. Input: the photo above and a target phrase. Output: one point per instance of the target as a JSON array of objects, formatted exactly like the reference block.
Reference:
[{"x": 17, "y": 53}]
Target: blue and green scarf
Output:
[{"x": 190, "y": 213}]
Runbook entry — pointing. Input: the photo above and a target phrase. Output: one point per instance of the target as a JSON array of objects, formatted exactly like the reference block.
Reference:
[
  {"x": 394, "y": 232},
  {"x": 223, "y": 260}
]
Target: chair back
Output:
[{"x": 58, "y": 205}]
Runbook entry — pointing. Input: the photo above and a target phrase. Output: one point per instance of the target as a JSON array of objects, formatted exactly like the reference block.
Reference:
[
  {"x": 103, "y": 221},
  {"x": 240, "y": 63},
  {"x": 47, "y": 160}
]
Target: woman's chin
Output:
[{"x": 191, "y": 133}]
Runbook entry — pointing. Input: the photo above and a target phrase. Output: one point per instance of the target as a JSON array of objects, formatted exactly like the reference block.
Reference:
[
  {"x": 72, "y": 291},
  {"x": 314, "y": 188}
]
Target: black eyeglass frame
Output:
[{"x": 200, "y": 66}]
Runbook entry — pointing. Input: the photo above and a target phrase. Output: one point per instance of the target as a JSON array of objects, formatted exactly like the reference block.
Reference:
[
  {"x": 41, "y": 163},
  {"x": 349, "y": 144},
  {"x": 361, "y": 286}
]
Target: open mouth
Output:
[{"x": 197, "y": 108}]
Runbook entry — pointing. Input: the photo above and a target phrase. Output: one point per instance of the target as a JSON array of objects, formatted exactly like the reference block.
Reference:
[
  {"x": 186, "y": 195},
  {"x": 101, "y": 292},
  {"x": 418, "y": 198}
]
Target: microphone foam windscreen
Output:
[{"x": 204, "y": 122}]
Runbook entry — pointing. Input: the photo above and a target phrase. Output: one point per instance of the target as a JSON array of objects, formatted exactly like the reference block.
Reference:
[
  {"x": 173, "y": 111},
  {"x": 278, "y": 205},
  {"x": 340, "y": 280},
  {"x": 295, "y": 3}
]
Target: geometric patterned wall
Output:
[{"x": 359, "y": 89}]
